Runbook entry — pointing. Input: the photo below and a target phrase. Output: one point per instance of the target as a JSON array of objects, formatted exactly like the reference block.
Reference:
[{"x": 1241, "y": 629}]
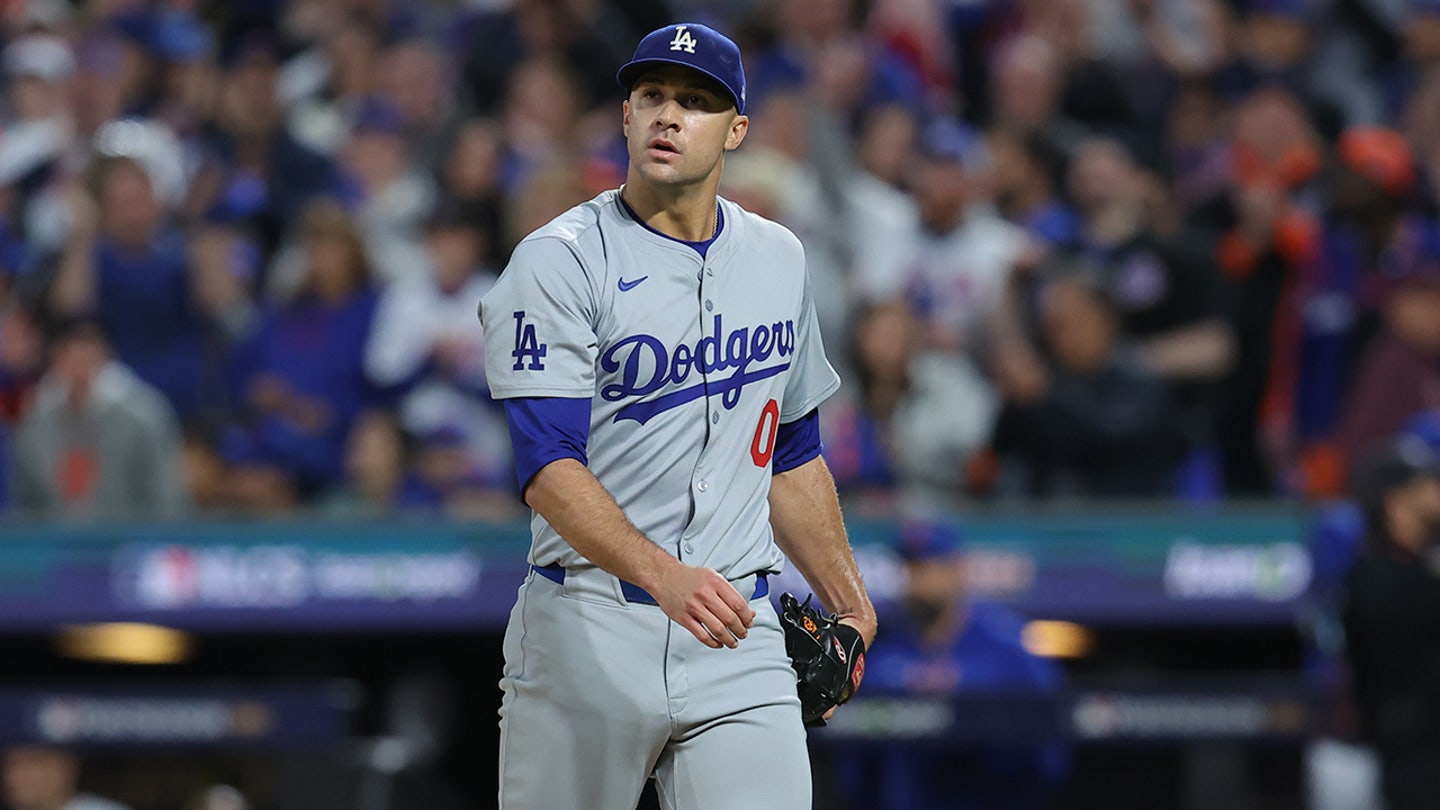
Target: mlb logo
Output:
[{"x": 167, "y": 578}]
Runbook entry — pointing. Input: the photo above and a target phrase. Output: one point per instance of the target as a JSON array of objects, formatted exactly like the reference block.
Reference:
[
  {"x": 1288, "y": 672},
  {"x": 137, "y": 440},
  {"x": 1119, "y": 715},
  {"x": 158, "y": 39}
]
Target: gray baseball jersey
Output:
[{"x": 691, "y": 366}]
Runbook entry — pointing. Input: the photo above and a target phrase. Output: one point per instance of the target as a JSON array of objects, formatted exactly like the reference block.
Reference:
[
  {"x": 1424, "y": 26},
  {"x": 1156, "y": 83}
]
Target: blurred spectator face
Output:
[
  {"x": 1277, "y": 39},
  {"x": 21, "y": 346},
  {"x": 38, "y": 778},
  {"x": 351, "y": 50},
  {"x": 541, "y": 107},
  {"x": 412, "y": 77},
  {"x": 887, "y": 143},
  {"x": 1412, "y": 313},
  {"x": 129, "y": 211},
  {"x": 933, "y": 586},
  {"x": 334, "y": 252},
  {"x": 456, "y": 251},
  {"x": 814, "y": 21},
  {"x": 248, "y": 106},
  {"x": 1422, "y": 35},
  {"x": 309, "y": 20},
  {"x": 1102, "y": 175},
  {"x": 1273, "y": 142},
  {"x": 204, "y": 472},
  {"x": 374, "y": 457},
  {"x": 194, "y": 85},
  {"x": 1064, "y": 25},
  {"x": 377, "y": 157},
  {"x": 77, "y": 359},
  {"x": 544, "y": 25},
  {"x": 1026, "y": 83},
  {"x": 1416, "y": 503},
  {"x": 782, "y": 124},
  {"x": 335, "y": 256},
  {"x": 1079, "y": 329},
  {"x": 474, "y": 166},
  {"x": 1193, "y": 118},
  {"x": 941, "y": 186},
  {"x": 885, "y": 339}
]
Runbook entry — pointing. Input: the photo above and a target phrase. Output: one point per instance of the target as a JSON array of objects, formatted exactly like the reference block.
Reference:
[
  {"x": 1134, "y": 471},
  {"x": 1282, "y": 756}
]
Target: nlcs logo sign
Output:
[{"x": 682, "y": 41}]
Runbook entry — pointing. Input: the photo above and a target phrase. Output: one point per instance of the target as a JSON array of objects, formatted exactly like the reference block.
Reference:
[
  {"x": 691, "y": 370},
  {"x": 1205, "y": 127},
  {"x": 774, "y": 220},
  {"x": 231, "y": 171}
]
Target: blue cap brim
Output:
[{"x": 630, "y": 72}]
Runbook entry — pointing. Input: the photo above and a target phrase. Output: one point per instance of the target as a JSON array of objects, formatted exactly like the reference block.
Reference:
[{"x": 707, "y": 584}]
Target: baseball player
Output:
[{"x": 660, "y": 362}]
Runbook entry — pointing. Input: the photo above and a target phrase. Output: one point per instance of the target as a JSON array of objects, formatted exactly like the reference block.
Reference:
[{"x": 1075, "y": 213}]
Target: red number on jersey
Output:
[{"x": 763, "y": 445}]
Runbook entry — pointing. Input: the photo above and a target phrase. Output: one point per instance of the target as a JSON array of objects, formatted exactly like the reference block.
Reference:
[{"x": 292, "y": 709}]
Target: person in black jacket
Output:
[
  {"x": 1392, "y": 619},
  {"x": 1094, "y": 422}
]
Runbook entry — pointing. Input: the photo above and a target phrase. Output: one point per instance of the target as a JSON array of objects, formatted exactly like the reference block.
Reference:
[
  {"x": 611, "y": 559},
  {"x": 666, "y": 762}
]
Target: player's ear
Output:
[
  {"x": 738, "y": 128},
  {"x": 625, "y": 118}
]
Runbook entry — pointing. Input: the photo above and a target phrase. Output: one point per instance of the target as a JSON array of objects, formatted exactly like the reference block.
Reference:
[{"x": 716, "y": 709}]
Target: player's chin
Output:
[{"x": 663, "y": 174}]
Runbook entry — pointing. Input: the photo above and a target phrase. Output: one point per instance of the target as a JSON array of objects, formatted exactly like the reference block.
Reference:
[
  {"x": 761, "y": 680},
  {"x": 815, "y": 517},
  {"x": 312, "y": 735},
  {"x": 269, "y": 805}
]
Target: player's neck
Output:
[{"x": 688, "y": 214}]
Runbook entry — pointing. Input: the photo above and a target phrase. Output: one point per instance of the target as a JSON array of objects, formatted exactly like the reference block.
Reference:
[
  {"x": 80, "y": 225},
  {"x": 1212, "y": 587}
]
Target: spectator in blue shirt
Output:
[
  {"x": 945, "y": 643},
  {"x": 126, "y": 265},
  {"x": 301, "y": 376}
]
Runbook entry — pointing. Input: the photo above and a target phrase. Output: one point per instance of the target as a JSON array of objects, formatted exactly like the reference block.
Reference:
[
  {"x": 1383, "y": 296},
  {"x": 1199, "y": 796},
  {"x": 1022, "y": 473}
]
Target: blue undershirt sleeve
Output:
[
  {"x": 546, "y": 429},
  {"x": 797, "y": 442}
]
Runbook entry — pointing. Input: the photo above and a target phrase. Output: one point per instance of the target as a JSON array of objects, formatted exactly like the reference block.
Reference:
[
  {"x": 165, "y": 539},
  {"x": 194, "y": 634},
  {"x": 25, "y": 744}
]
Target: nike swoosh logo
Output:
[{"x": 630, "y": 285}]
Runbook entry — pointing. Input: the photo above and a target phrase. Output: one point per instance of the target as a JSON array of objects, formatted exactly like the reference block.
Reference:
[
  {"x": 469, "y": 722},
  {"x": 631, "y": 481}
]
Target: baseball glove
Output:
[{"x": 828, "y": 657}]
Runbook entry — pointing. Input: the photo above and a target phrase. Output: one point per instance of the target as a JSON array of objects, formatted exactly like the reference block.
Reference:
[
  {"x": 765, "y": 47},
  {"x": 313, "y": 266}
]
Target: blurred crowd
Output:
[{"x": 1060, "y": 248}]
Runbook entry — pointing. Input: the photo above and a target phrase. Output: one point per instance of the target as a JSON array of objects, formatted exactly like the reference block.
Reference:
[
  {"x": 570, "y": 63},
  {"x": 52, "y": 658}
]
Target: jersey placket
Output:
[{"x": 703, "y": 496}]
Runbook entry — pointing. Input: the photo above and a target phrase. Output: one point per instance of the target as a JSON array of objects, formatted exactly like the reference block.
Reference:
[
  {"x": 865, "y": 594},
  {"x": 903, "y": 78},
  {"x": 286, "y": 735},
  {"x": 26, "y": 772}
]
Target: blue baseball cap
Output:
[{"x": 692, "y": 45}]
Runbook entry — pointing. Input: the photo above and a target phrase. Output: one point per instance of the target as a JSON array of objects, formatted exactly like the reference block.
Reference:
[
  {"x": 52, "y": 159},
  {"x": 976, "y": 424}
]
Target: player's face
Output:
[{"x": 678, "y": 126}]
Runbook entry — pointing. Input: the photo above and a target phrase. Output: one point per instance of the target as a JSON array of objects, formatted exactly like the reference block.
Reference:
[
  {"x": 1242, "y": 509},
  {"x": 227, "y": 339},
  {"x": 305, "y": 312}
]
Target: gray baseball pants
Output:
[{"x": 600, "y": 693}]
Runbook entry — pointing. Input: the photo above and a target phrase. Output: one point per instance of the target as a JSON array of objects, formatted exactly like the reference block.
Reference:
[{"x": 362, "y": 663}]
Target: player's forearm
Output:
[
  {"x": 570, "y": 498},
  {"x": 805, "y": 514}
]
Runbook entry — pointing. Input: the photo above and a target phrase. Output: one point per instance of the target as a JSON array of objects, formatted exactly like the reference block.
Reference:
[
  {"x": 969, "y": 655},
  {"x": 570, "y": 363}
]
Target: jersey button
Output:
[
  {"x": 703, "y": 486},
  {"x": 715, "y": 418},
  {"x": 689, "y": 548},
  {"x": 709, "y": 305}
]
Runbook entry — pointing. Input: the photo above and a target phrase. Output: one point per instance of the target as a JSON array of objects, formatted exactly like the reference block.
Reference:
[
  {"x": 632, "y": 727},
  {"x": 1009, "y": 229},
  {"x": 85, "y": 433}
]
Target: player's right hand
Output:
[{"x": 705, "y": 603}]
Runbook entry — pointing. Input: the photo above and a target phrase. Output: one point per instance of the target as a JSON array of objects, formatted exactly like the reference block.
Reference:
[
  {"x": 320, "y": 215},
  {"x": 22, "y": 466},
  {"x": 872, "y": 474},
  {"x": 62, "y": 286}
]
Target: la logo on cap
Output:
[{"x": 682, "y": 41}]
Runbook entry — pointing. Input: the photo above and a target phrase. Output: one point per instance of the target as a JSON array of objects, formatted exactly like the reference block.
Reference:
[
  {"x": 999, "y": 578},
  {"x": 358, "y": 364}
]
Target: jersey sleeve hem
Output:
[
  {"x": 792, "y": 412},
  {"x": 513, "y": 391}
]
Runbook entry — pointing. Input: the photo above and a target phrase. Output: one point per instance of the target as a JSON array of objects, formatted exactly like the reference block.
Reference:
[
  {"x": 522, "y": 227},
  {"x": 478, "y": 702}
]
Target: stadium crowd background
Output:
[
  {"x": 1159, "y": 248},
  {"x": 1062, "y": 249}
]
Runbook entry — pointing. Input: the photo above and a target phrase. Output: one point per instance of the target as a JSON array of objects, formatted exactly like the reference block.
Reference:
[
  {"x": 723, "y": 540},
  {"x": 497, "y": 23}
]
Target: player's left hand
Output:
[
  {"x": 867, "y": 629},
  {"x": 827, "y": 653}
]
